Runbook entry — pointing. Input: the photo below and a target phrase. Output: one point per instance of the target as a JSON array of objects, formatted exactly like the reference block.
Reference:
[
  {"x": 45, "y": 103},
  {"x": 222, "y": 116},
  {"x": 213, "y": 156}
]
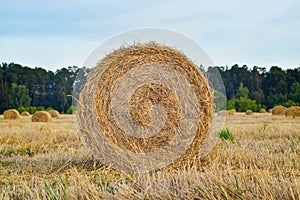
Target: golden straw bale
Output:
[
  {"x": 96, "y": 120},
  {"x": 270, "y": 110},
  {"x": 41, "y": 116},
  {"x": 230, "y": 112},
  {"x": 25, "y": 114},
  {"x": 293, "y": 111},
  {"x": 249, "y": 112},
  {"x": 226, "y": 112},
  {"x": 262, "y": 110},
  {"x": 11, "y": 114},
  {"x": 278, "y": 110},
  {"x": 54, "y": 113}
]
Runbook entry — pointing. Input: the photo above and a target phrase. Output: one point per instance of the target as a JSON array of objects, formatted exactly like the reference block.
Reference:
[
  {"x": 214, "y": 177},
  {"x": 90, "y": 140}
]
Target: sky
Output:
[{"x": 54, "y": 34}]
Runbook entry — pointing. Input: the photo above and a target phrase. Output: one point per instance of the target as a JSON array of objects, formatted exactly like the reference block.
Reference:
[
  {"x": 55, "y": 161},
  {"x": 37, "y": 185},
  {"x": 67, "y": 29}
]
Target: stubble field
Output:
[{"x": 48, "y": 161}]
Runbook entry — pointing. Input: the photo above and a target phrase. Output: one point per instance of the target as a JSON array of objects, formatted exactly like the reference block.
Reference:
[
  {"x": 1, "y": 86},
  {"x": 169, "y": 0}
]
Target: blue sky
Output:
[{"x": 54, "y": 34}]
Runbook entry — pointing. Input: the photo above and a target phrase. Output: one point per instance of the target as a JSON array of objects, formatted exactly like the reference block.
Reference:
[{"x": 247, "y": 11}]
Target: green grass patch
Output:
[{"x": 225, "y": 134}]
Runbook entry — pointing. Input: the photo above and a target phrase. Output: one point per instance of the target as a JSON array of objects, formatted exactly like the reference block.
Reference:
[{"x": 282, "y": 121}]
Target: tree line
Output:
[
  {"x": 21, "y": 86},
  {"x": 260, "y": 88},
  {"x": 246, "y": 88}
]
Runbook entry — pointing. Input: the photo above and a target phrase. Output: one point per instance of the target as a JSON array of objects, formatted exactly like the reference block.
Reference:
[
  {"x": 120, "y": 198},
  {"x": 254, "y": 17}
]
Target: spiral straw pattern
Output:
[{"x": 145, "y": 107}]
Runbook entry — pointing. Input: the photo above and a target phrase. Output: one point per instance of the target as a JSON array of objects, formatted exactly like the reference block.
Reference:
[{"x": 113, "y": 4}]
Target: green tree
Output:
[
  {"x": 275, "y": 81},
  {"x": 64, "y": 79},
  {"x": 19, "y": 96},
  {"x": 295, "y": 92},
  {"x": 242, "y": 104},
  {"x": 241, "y": 101},
  {"x": 290, "y": 103},
  {"x": 276, "y": 99},
  {"x": 258, "y": 96},
  {"x": 242, "y": 92}
]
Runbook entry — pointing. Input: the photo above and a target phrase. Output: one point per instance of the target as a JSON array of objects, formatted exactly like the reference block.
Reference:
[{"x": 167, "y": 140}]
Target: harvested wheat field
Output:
[{"x": 48, "y": 161}]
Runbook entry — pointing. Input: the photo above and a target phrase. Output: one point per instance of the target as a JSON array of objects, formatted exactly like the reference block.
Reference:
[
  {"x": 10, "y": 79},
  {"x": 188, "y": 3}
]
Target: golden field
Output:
[{"x": 48, "y": 161}]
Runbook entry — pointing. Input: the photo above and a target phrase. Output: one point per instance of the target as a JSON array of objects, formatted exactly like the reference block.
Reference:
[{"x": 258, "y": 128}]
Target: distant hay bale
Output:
[
  {"x": 249, "y": 112},
  {"x": 41, "y": 116},
  {"x": 226, "y": 112},
  {"x": 11, "y": 114},
  {"x": 262, "y": 110},
  {"x": 278, "y": 110},
  {"x": 293, "y": 111},
  {"x": 25, "y": 114},
  {"x": 230, "y": 112},
  {"x": 270, "y": 110},
  {"x": 54, "y": 113},
  {"x": 96, "y": 120}
]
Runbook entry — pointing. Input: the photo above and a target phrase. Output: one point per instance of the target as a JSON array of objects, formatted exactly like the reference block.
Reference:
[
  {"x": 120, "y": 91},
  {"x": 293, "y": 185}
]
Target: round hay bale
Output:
[
  {"x": 226, "y": 112},
  {"x": 119, "y": 82},
  {"x": 293, "y": 111},
  {"x": 25, "y": 114},
  {"x": 262, "y": 110},
  {"x": 54, "y": 113},
  {"x": 41, "y": 116},
  {"x": 270, "y": 110},
  {"x": 230, "y": 112},
  {"x": 249, "y": 112},
  {"x": 11, "y": 114},
  {"x": 278, "y": 110}
]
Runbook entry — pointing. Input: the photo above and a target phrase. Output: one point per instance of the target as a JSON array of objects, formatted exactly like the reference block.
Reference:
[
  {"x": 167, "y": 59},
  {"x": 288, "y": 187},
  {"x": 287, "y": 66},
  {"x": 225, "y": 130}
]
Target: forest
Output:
[{"x": 246, "y": 87}]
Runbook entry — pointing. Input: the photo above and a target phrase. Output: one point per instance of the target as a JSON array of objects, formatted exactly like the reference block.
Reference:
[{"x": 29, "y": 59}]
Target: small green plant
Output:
[
  {"x": 49, "y": 190},
  {"x": 70, "y": 110},
  {"x": 237, "y": 187},
  {"x": 225, "y": 134},
  {"x": 65, "y": 184},
  {"x": 104, "y": 184},
  {"x": 263, "y": 128},
  {"x": 6, "y": 163},
  {"x": 28, "y": 152}
]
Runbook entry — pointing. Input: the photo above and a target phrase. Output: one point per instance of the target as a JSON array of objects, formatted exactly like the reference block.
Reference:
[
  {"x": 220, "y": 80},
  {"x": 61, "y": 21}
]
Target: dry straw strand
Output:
[
  {"x": 293, "y": 111},
  {"x": 41, "y": 116},
  {"x": 11, "y": 114},
  {"x": 54, "y": 113},
  {"x": 278, "y": 110},
  {"x": 116, "y": 64}
]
